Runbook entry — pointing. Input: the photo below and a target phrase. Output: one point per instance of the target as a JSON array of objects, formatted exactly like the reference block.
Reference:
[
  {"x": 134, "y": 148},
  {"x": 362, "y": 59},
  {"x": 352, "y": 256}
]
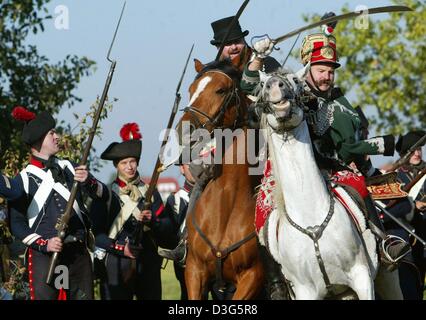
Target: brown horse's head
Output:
[{"x": 215, "y": 98}]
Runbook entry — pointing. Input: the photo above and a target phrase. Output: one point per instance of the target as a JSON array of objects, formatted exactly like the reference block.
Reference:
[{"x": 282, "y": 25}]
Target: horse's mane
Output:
[{"x": 225, "y": 66}]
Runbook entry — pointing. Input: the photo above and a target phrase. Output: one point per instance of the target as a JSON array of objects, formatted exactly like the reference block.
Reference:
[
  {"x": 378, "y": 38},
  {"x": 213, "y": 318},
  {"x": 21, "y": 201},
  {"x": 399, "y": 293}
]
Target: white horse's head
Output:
[{"x": 281, "y": 93}]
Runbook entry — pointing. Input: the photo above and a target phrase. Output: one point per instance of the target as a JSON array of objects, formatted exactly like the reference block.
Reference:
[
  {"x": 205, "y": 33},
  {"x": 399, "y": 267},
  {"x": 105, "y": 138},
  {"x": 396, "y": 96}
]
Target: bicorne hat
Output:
[
  {"x": 36, "y": 126},
  {"x": 130, "y": 147},
  {"x": 220, "y": 28},
  {"x": 406, "y": 141}
]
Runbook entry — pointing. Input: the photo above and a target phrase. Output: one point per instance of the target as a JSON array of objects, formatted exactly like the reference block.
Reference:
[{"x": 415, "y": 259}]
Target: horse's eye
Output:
[{"x": 220, "y": 91}]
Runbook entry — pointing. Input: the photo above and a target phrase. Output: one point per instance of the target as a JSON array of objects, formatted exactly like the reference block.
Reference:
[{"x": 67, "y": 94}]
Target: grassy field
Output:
[{"x": 170, "y": 285}]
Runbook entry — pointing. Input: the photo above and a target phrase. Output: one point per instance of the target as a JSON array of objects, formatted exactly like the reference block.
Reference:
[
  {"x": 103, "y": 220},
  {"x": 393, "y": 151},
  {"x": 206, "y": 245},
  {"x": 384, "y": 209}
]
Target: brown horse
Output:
[{"x": 221, "y": 234}]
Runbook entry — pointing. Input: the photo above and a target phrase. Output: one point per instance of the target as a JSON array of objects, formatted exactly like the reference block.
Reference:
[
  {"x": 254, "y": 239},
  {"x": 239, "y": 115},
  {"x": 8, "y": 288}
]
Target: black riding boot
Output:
[
  {"x": 178, "y": 254},
  {"x": 392, "y": 249},
  {"x": 276, "y": 287}
]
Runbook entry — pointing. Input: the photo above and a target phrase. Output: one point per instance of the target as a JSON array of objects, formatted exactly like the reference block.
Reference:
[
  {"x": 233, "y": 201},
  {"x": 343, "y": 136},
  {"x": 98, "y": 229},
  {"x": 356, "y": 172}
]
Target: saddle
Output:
[{"x": 385, "y": 186}]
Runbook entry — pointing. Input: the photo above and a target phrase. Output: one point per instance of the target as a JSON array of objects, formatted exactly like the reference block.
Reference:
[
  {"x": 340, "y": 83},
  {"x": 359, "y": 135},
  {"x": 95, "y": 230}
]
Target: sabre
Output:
[
  {"x": 231, "y": 25},
  {"x": 382, "y": 208},
  {"x": 63, "y": 220},
  {"x": 344, "y": 16}
]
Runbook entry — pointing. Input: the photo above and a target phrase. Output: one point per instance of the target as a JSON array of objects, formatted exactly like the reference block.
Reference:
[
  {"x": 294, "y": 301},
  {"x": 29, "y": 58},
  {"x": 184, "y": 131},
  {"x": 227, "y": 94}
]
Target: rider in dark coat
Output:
[{"x": 411, "y": 213}]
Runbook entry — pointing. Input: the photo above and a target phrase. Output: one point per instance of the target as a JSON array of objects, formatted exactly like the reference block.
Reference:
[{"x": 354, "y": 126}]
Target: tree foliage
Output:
[
  {"x": 385, "y": 66},
  {"x": 28, "y": 78}
]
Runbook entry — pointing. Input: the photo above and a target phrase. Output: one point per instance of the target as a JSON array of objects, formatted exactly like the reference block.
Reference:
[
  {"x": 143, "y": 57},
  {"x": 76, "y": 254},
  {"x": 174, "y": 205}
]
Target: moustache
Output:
[{"x": 322, "y": 82}]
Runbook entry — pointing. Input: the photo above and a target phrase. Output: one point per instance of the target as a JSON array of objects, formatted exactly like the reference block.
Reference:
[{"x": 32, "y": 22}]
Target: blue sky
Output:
[{"x": 151, "y": 48}]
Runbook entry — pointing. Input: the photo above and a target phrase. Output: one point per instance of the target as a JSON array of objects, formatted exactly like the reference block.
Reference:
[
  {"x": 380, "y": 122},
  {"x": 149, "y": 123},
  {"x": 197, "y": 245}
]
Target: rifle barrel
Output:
[{"x": 64, "y": 219}]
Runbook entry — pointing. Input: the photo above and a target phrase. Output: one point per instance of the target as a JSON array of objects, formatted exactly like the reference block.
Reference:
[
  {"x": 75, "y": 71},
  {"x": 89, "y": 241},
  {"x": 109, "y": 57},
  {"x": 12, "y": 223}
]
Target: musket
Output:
[
  {"x": 380, "y": 207},
  {"x": 408, "y": 154},
  {"x": 63, "y": 220},
  {"x": 231, "y": 25},
  {"x": 138, "y": 232},
  {"x": 344, "y": 16}
]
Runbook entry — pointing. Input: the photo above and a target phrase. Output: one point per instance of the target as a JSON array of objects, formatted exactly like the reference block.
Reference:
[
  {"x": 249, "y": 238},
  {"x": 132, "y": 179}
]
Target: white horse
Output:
[{"x": 309, "y": 232}]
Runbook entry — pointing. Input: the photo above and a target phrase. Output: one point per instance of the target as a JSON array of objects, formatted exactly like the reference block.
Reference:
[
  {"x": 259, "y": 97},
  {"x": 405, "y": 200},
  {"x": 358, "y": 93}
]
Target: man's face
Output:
[
  {"x": 321, "y": 76},
  {"x": 232, "y": 50},
  {"x": 50, "y": 144},
  {"x": 184, "y": 169},
  {"x": 127, "y": 168},
  {"x": 416, "y": 158}
]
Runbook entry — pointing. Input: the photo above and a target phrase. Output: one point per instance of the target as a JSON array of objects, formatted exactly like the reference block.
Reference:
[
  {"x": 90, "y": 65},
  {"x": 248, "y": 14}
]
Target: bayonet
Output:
[
  {"x": 146, "y": 204},
  {"x": 62, "y": 224}
]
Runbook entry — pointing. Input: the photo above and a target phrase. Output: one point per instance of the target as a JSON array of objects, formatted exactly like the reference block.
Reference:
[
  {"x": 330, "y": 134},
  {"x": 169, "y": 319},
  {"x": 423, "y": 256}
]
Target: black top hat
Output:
[
  {"x": 36, "y": 126},
  {"x": 405, "y": 142},
  {"x": 130, "y": 147},
  {"x": 220, "y": 28}
]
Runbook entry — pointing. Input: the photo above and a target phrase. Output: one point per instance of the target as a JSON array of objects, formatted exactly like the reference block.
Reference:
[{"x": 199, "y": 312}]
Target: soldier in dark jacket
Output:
[
  {"x": 126, "y": 234},
  {"x": 177, "y": 205},
  {"x": 237, "y": 50},
  {"x": 44, "y": 188},
  {"x": 9, "y": 188},
  {"x": 411, "y": 213}
]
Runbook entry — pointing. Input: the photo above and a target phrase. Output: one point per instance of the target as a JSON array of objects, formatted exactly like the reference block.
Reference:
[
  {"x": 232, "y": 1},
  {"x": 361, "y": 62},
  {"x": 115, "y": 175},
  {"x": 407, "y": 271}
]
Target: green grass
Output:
[{"x": 169, "y": 283}]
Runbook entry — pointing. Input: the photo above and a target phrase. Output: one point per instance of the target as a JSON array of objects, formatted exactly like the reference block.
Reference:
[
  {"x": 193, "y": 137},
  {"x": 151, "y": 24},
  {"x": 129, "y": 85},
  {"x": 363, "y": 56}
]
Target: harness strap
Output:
[
  {"x": 315, "y": 233},
  {"x": 219, "y": 254}
]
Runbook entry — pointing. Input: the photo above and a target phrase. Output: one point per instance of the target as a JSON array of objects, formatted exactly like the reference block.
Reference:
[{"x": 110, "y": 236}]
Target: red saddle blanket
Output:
[{"x": 265, "y": 201}]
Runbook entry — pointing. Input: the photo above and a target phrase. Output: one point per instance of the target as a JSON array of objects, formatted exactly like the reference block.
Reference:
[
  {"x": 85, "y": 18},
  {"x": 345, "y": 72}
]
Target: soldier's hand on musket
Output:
[
  {"x": 54, "y": 245},
  {"x": 143, "y": 216},
  {"x": 81, "y": 174},
  {"x": 127, "y": 252}
]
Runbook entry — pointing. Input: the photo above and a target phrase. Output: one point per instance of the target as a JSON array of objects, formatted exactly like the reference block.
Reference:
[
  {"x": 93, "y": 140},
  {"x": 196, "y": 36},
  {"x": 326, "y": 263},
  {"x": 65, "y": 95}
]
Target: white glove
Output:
[{"x": 263, "y": 48}]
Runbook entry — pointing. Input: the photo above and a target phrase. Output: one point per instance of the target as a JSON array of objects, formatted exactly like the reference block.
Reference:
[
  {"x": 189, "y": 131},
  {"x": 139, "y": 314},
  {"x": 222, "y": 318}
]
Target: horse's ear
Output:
[
  {"x": 302, "y": 73},
  {"x": 263, "y": 77},
  {"x": 198, "y": 65}
]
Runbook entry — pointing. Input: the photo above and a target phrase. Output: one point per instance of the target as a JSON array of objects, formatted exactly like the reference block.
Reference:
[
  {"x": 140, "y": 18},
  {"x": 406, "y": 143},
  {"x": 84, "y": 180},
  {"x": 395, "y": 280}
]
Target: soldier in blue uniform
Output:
[
  {"x": 411, "y": 213},
  {"x": 127, "y": 235},
  {"x": 44, "y": 188},
  {"x": 177, "y": 205},
  {"x": 9, "y": 188}
]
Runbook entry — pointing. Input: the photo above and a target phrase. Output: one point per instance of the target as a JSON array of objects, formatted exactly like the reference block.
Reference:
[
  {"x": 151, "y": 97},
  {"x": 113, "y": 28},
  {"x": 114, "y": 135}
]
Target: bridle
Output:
[{"x": 216, "y": 119}]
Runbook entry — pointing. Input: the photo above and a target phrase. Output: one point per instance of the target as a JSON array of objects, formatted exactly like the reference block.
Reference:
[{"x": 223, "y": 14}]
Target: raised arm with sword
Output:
[{"x": 62, "y": 223}]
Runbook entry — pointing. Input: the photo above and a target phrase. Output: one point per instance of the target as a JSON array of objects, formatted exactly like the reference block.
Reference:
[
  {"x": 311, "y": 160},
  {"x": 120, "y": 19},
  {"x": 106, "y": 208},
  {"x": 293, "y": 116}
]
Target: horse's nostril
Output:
[
  {"x": 268, "y": 86},
  {"x": 281, "y": 84}
]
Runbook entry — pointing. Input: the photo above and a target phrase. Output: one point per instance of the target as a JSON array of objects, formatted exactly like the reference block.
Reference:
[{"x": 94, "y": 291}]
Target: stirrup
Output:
[
  {"x": 175, "y": 254},
  {"x": 391, "y": 257}
]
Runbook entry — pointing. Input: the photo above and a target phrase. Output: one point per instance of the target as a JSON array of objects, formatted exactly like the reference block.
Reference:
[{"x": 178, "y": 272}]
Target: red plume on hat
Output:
[
  {"x": 130, "y": 131},
  {"x": 22, "y": 114}
]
